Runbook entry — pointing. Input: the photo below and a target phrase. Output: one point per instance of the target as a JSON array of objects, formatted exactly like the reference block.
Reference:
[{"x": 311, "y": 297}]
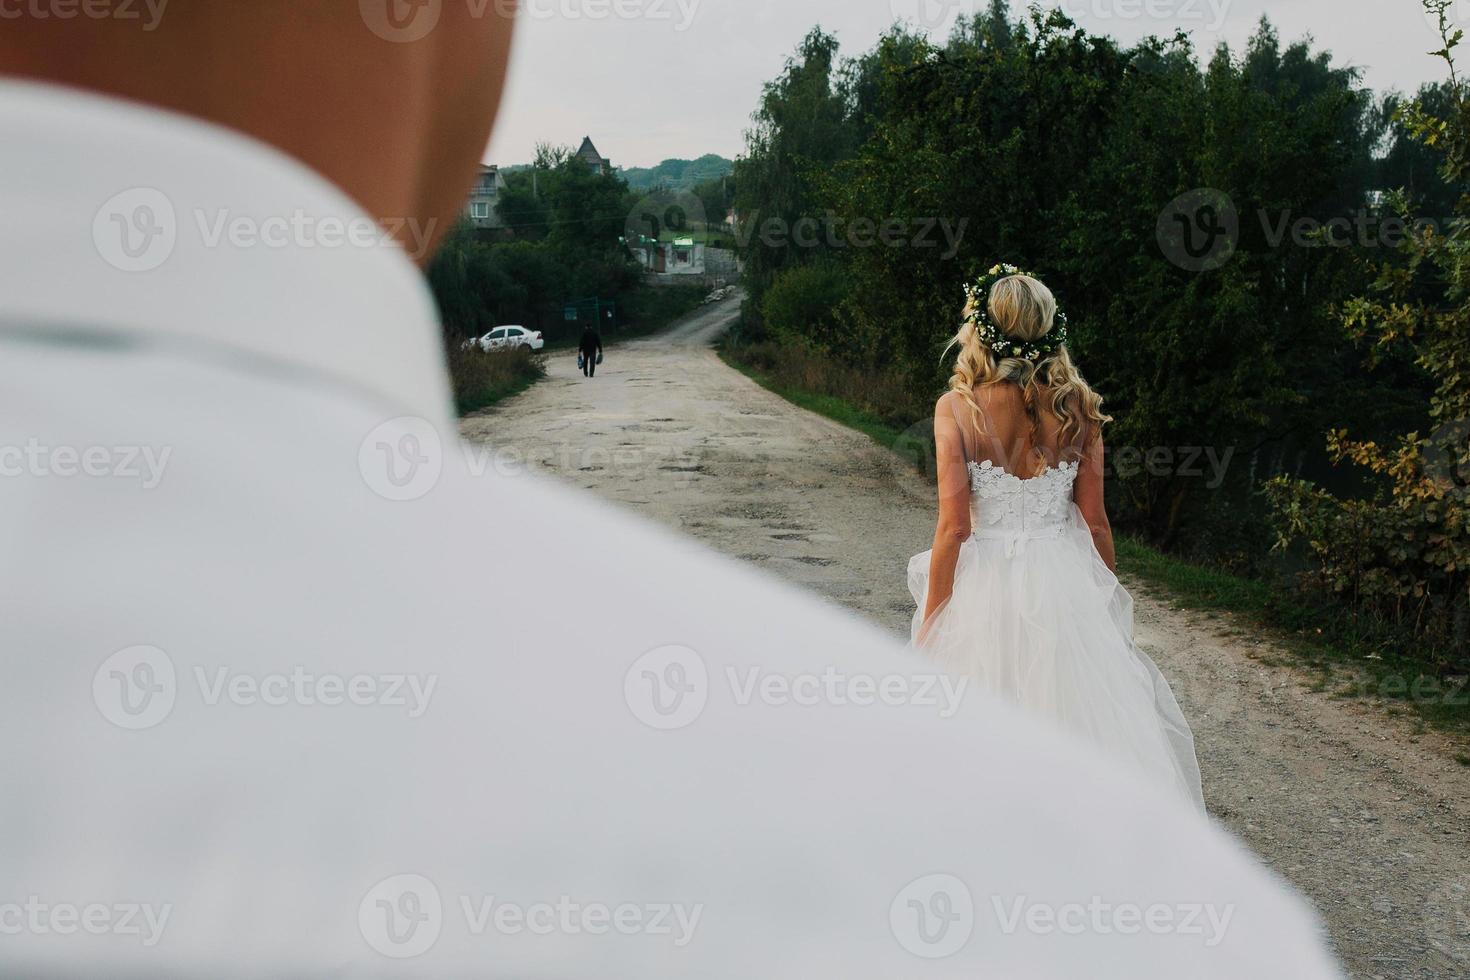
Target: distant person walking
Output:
[{"x": 591, "y": 350}]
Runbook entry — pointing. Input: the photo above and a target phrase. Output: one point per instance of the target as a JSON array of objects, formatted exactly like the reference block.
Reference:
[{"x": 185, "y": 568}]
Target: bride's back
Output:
[
  {"x": 1015, "y": 430},
  {"x": 1017, "y": 401}
]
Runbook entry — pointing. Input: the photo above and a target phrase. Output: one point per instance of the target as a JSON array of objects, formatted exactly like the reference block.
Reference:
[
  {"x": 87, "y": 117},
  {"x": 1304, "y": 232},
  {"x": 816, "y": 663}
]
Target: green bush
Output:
[
  {"x": 1401, "y": 552},
  {"x": 801, "y": 307},
  {"x": 481, "y": 379}
]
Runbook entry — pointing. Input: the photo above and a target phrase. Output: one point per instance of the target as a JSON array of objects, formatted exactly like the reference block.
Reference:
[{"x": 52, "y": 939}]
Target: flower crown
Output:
[{"x": 990, "y": 335}]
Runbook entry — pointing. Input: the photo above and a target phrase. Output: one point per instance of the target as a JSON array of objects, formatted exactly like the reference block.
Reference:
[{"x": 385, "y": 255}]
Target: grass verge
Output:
[
  {"x": 829, "y": 406},
  {"x": 1351, "y": 657},
  {"x": 482, "y": 379}
]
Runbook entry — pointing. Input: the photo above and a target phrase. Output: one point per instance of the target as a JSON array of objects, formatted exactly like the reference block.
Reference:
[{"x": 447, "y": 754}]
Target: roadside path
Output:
[{"x": 1367, "y": 815}]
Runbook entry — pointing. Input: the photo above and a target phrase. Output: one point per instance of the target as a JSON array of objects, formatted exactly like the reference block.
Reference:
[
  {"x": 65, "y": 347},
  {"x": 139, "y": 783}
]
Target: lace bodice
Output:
[{"x": 1003, "y": 503}]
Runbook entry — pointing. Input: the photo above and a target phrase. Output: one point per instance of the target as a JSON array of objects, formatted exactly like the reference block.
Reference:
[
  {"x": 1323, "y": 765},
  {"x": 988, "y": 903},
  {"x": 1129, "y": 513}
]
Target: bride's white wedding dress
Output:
[{"x": 1037, "y": 618}]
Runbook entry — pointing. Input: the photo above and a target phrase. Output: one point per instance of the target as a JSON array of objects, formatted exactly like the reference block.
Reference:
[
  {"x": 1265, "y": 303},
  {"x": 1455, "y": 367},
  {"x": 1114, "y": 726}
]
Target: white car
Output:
[{"x": 510, "y": 338}]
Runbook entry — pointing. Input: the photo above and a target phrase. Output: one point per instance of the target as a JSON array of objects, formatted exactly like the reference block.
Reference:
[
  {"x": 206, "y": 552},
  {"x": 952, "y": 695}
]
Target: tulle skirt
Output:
[{"x": 1041, "y": 622}]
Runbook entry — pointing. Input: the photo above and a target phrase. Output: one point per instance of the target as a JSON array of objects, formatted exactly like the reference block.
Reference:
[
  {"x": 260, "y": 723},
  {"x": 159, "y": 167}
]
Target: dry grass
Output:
[
  {"x": 886, "y": 397},
  {"x": 481, "y": 379}
]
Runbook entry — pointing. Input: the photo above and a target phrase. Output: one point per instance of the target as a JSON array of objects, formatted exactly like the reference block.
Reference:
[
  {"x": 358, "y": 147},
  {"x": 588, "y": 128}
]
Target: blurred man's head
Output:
[{"x": 393, "y": 100}]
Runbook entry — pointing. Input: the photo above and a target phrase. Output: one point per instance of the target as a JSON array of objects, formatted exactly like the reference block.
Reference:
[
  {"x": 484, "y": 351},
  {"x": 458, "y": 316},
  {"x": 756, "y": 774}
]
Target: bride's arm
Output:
[
  {"x": 1089, "y": 498},
  {"x": 954, "y": 505}
]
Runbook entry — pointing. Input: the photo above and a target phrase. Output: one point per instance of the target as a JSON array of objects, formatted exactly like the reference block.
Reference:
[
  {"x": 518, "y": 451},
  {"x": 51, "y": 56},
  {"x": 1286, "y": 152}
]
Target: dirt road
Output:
[{"x": 1367, "y": 815}]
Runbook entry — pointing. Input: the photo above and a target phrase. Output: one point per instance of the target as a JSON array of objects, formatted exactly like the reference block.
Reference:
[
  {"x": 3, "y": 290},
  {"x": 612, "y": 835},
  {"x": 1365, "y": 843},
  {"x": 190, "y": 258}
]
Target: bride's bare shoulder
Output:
[
  {"x": 953, "y": 406},
  {"x": 948, "y": 403}
]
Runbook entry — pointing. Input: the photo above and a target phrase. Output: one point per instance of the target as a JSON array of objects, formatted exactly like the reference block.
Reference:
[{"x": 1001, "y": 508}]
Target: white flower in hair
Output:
[{"x": 1035, "y": 351}]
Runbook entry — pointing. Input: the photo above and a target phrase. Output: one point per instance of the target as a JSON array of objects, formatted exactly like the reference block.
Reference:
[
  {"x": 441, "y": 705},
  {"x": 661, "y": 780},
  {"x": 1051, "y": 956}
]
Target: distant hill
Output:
[{"x": 678, "y": 174}]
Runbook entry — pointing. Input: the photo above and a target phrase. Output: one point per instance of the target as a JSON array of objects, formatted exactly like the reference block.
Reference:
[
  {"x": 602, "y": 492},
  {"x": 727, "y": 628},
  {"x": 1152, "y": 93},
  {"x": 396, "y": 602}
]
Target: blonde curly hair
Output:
[{"x": 1023, "y": 308}]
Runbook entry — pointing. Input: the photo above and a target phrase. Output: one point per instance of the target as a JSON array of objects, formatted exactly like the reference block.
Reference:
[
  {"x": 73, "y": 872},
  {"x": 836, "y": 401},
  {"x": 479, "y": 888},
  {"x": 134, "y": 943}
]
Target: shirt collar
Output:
[{"x": 136, "y": 223}]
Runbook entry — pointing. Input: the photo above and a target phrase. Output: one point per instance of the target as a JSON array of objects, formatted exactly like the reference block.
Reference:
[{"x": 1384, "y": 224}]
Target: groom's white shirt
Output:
[{"x": 262, "y": 720}]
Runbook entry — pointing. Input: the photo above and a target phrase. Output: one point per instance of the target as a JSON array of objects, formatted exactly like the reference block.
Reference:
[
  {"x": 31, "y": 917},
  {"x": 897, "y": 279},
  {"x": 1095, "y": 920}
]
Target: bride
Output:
[{"x": 1018, "y": 592}]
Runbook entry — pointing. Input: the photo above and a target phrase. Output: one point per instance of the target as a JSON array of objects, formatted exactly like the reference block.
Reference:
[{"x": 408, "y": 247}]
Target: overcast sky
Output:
[{"x": 653, "y": 79}]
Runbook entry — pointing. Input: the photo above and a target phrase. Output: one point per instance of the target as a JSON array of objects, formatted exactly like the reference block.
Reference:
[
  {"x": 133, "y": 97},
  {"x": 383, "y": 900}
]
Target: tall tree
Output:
[{"x": 802, "y": 127}]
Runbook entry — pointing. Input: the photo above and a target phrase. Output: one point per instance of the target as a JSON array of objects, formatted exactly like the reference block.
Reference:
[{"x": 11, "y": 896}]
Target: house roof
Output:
[{"x": 591, "y": 154}]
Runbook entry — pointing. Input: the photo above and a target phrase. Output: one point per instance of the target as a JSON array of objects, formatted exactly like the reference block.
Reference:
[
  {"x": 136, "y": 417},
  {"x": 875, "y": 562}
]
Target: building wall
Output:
[
  {"x": 721, "y": 263},
  {"x": 485, "y": 196}
]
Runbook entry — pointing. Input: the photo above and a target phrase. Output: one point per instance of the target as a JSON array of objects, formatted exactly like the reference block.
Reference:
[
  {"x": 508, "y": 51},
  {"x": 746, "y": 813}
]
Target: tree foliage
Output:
[
  {"x": 565, "y": 224},
  {"x": 1062, "y": 151},
  {"x": 1402, "y": 551}
]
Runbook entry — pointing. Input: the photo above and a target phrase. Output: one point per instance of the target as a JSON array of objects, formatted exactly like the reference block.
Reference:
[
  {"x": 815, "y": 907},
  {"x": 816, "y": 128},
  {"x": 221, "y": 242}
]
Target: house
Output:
[
  {"x": 681, "y": 257},
  {"x": 588, "y": 154},
  {"x": 483, "y": 198}
]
